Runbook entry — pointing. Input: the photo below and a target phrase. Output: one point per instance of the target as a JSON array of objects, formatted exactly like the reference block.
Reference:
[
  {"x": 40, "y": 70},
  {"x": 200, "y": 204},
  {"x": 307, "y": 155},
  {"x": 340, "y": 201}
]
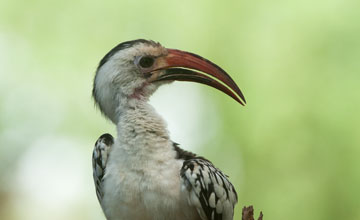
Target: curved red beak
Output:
[{"x": 185, "y": 66}]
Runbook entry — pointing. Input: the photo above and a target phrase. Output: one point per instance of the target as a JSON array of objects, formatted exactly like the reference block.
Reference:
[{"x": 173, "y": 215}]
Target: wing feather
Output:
[
  {"x": 99, "y": 159},
  {"x": 209, "y": 189}
]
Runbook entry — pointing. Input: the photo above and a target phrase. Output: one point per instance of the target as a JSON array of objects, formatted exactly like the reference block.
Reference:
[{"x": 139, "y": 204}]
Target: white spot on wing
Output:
[{"x": 212, "y": 200}]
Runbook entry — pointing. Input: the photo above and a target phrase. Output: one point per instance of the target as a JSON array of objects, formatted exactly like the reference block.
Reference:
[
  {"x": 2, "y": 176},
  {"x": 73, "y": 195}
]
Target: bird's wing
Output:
[
  {"x": 99, "y": 159},
  {"x": 209, "y": 189}
]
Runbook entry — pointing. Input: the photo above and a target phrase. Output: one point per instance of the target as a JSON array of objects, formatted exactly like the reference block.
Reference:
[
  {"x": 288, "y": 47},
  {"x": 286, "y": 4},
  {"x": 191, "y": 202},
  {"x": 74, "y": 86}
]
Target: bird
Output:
[{"x": 142, "y": 173}]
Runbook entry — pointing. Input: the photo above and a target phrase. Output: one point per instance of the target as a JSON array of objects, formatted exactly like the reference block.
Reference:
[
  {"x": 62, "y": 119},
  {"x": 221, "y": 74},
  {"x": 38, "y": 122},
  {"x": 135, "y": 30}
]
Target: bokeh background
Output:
[{"x": 292, "y": 152}]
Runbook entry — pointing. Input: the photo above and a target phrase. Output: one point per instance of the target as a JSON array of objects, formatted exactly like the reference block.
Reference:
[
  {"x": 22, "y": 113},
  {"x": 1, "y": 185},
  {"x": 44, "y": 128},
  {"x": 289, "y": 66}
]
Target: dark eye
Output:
[{"x": 146, "y": 62}]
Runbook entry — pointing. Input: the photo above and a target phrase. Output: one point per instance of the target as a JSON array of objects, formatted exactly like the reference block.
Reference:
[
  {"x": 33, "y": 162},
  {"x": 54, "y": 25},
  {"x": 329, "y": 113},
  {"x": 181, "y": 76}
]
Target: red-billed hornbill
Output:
[{"x": 142, "y": 174}]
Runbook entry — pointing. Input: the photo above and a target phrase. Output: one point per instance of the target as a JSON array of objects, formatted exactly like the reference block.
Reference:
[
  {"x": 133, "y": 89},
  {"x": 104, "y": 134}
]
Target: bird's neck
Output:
[{"x": 141, "y": 129}]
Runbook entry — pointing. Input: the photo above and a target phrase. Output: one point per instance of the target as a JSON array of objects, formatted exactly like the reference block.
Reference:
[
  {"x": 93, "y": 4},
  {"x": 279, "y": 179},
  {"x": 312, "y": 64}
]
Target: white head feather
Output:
[{"x": 119, "y": 79}]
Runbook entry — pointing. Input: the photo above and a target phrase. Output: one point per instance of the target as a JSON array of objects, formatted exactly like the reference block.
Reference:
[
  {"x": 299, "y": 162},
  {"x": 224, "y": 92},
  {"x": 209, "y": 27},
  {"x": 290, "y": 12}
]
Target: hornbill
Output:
[{"x": 141, "y": 174}]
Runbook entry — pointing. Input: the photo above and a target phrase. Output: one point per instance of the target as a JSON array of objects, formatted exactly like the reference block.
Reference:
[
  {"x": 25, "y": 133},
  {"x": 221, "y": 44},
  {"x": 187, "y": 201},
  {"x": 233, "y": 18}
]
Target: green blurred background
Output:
[{"x": 292, "y": 152}]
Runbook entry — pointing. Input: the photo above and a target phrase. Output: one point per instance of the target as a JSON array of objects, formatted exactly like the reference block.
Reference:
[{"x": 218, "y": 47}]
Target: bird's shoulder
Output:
[
  {"x": 99, "y": 159},
  {"x": 209, "y": 189}
]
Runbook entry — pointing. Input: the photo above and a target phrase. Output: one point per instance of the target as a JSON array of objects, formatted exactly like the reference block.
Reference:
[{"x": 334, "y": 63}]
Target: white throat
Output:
[{"x": 140, "y": 128}]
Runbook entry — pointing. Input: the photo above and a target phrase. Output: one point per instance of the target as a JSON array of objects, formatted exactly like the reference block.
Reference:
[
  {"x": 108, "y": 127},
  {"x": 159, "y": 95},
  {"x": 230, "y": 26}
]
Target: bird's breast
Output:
[{"x": 143, "y": 187}]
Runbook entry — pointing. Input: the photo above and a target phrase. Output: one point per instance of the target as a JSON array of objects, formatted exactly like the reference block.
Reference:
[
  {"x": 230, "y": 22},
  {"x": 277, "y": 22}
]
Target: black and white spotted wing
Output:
[
  {"x": 209, "y": 189},
  {"x": 99, "y": 160}
]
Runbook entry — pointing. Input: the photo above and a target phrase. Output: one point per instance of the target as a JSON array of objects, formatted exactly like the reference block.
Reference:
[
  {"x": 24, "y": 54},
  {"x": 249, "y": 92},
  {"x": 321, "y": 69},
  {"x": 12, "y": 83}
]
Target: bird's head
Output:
[{"x": 133, "y": 70}]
